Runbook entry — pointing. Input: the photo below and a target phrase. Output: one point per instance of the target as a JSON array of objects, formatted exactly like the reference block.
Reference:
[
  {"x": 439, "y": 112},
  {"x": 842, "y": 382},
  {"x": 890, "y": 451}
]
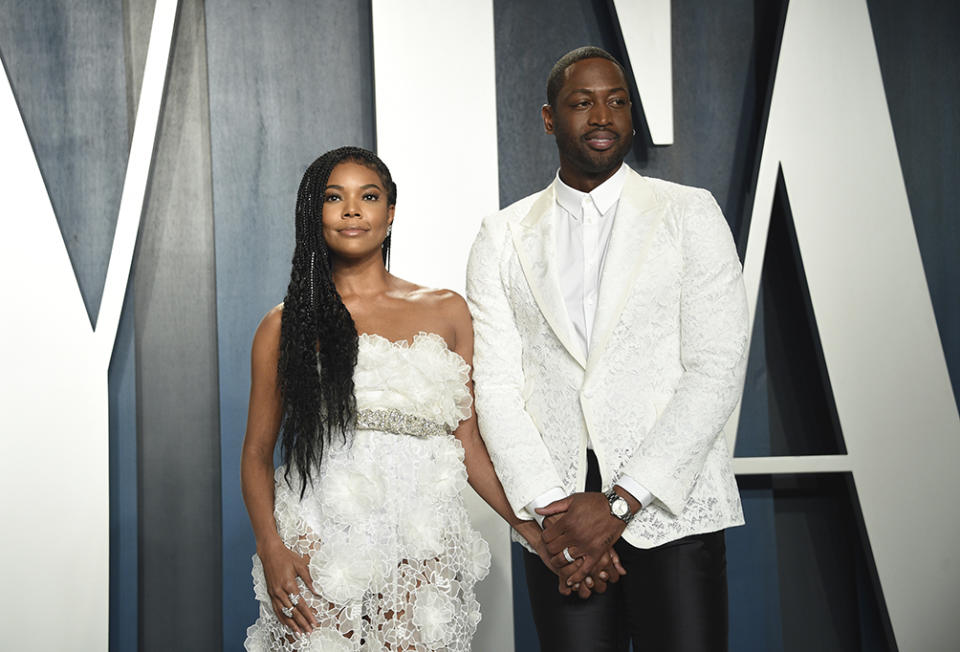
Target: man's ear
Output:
[{"x": 546, "y": 112}]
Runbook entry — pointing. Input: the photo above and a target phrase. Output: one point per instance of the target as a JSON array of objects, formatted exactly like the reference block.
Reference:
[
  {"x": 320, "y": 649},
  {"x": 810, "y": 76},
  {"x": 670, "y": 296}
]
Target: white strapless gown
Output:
[{"x": 393, "y": 557}]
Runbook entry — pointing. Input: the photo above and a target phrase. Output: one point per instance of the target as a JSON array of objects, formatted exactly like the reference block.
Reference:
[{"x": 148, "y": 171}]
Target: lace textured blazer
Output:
[{"x": 664, "y": 370}]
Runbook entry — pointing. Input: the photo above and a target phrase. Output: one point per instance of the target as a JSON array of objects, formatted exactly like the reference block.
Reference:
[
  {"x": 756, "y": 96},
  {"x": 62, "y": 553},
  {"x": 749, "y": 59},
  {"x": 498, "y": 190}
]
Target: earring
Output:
[
  {"x": 389, "y": 230},
  {"x": 634, "y": 132}
]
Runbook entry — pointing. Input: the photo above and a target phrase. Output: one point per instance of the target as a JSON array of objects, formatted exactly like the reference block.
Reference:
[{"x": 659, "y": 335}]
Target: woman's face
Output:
[{"x": 355, "y": 211}]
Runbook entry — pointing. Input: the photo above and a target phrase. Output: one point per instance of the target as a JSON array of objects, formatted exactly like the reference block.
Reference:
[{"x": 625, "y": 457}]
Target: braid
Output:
[{"x": 318, "y": 339}]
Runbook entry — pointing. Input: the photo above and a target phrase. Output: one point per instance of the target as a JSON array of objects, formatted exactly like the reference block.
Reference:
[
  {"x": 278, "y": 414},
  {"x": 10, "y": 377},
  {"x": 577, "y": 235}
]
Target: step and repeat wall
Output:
[{"x": 151, "y": 153}]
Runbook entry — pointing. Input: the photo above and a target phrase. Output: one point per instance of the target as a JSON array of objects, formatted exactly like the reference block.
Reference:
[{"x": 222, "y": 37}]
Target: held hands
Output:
[
  {"x": 281, "y": 568},
  {"x": 582, "y": 524},
  {"x": 607, "y": 570}
]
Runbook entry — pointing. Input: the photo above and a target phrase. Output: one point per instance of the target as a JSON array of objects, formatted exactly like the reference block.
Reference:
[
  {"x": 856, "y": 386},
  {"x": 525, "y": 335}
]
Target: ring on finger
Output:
[
  {"x": 287, "y": 611},
  {"x": 294, "y": 598},
  {"x": 568, "y": 556}
]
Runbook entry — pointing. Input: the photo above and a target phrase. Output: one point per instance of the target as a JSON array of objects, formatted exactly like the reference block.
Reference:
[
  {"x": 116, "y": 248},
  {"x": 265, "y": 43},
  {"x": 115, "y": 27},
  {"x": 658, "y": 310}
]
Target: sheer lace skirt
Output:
[{"x": 393, "y": 558}]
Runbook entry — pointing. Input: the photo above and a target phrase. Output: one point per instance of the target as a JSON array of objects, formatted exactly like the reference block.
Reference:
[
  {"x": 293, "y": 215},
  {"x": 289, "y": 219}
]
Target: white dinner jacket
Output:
[{"x": 665, "y": 364}]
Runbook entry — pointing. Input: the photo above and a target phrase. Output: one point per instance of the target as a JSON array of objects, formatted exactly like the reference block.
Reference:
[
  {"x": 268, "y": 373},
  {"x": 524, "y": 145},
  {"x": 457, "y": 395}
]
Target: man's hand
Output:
[{"x": 585, "y": 527}]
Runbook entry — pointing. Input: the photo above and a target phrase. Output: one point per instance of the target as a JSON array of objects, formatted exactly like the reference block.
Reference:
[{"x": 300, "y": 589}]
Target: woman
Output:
[{"x": 362, "y": 538}]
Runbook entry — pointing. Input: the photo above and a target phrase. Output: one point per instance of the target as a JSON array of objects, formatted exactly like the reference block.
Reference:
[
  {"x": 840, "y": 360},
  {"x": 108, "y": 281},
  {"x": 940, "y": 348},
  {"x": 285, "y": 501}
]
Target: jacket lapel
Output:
[
  {"x": 535, "y": 242},
  {"x": 636, "y": 222}
]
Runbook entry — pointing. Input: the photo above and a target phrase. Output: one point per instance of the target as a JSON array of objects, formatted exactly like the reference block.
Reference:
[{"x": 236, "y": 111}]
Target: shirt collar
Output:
[{"x": 604, "y": 196}]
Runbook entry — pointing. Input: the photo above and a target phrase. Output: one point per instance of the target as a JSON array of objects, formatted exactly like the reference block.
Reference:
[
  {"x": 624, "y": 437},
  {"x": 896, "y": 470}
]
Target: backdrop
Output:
[{"x": 449, "y": 93}]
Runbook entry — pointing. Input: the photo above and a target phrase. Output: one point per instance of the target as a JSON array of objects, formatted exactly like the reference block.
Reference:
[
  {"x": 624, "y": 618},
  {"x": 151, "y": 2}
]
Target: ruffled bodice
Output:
[{"x": 422, "y": 378}]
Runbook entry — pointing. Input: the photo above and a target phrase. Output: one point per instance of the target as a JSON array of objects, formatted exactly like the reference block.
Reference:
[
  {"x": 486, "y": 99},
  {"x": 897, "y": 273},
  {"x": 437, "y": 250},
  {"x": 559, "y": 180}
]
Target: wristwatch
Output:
[{"x": 619, "y": 506}]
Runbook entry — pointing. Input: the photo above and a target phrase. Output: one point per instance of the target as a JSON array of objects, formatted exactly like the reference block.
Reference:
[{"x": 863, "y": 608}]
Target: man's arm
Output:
[
  {"x": 713, "y": 338},
  {"x": 519, "y": 455}
]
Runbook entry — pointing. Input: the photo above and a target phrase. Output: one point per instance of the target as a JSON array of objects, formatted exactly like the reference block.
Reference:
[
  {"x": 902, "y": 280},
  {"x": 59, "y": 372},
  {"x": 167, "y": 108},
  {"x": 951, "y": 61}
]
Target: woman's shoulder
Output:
[
  {"x": 268, "y": 331},
  {"x": 442, "y": 300}
]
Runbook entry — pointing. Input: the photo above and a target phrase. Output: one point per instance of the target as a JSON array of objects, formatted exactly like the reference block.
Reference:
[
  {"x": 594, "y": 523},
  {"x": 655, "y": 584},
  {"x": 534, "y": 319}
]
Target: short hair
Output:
[{"x": 555, "y": 79}]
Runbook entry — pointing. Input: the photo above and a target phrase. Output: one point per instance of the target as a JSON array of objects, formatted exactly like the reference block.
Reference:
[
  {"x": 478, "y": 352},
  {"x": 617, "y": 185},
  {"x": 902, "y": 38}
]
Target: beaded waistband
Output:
[{"x": 399, "y": 423}]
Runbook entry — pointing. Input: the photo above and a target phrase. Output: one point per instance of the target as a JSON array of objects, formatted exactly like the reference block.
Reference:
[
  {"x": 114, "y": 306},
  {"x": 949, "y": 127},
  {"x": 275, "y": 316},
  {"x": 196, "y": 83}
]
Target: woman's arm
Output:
[
  {"x": 484, "y": 480},
  {"x": 281, "y": 566},
  {"x": 480, "y": 472}
]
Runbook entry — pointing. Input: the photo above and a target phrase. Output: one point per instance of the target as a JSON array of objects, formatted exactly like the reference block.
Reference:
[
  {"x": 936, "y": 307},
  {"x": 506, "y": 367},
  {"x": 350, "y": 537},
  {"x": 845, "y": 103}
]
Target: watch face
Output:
[{"x": 620, "y": 507}]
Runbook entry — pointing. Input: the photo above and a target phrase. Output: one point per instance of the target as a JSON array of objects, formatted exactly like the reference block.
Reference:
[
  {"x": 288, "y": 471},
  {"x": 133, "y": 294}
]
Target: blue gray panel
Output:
[
  {"x": 752, "y": 578},
  {"x": 288, "y": 81},
  {"x": 66, "y": 65},
  {"x": 920, "y": 64},
  {"x": 177, "y": 368},
  {"x": 123, "y": 485}
]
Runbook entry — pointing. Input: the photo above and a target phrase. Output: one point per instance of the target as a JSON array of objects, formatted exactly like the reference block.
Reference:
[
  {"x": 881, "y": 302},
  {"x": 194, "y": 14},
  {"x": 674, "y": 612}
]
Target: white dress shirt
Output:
[{"x": 583, "y": 222}]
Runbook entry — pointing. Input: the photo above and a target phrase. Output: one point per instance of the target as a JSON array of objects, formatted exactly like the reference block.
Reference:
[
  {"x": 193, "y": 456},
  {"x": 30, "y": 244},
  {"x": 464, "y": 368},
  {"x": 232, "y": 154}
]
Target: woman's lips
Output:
[{"x": 352, "y": 232}]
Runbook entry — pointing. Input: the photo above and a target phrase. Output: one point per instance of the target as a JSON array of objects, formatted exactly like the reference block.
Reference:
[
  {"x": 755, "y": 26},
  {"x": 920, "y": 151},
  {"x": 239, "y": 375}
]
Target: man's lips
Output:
[{"x": 601, "y": 140}]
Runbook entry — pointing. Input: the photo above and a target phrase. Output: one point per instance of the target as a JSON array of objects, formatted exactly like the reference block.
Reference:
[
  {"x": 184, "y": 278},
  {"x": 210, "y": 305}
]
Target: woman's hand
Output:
[
  {"x": 530, "y": 531},
  {"x": 281, "y": 568}
]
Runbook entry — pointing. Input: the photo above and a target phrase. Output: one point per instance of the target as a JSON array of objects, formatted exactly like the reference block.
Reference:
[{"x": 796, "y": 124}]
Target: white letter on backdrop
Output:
[
  {"x": 54, "y": 456},
  {"x": 830, "y": 130}
]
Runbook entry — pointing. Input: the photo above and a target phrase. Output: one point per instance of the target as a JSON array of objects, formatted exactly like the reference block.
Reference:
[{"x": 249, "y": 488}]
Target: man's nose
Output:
[{"x": 600, "y": 114}]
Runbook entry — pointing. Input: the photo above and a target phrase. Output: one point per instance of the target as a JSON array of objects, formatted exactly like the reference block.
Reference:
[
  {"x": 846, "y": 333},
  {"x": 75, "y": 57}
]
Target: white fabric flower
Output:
[
  {"x": 342, "y": 572},
  {"x": 260, "y": 590},
  {"x": 477, "y": 562},
  {"x": 351, "y": 494},
  {"x": 421, "y": 531},
  {"x": 449, "y": 475},
  {"x": 472, "y": 615},
  {"x": 432, "y": 610},
  {"x": 328, "y": 640},
  {"x": 423, "y": 378}
]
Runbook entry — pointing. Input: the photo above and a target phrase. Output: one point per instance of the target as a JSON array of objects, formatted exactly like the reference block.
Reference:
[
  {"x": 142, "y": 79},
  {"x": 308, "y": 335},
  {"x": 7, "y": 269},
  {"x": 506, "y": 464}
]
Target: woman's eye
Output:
[
  {"x": 370, "y": 196},
  {"x": 330, "y": 198}
]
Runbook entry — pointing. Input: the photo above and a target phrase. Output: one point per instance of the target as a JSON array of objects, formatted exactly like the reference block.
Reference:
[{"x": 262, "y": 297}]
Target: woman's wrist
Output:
[
  {"x": 268, "y": 540},
  {"x": 529, "y": 530}
]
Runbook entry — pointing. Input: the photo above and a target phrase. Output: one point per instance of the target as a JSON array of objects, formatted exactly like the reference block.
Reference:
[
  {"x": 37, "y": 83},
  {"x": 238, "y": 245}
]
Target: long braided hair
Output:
[{"x": 318, "y": 339}]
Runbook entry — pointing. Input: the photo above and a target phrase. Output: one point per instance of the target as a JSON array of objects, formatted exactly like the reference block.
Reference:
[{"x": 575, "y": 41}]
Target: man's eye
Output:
[
  {"x": 619, "y": 101},
  {"x": 582, "y": 105}
]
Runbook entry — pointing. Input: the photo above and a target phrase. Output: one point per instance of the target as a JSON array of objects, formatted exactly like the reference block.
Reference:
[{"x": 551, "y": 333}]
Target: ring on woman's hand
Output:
[
  {"x": 287, "y": 611},
  {"x": 566, "y": 555},
  {"x": 294, "y": 598}
]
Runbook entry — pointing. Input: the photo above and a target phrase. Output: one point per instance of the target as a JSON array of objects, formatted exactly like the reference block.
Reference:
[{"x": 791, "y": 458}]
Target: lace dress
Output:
[{"x": 393, "y": 557}]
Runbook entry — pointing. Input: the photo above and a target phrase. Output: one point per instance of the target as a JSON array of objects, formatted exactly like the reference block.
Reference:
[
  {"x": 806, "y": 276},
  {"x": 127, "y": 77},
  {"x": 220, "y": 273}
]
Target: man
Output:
[{"x": 610, "y": 323}]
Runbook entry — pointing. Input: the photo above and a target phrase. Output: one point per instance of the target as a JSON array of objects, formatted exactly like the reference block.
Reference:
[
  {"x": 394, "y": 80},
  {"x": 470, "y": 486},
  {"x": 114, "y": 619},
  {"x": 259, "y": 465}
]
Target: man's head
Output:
[{"x": 588, "y": 111}]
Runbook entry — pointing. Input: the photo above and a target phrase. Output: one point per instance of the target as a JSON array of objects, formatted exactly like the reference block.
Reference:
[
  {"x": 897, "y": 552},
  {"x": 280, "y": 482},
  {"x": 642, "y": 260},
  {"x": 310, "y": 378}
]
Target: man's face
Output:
[{"x": 591, "y": 119}]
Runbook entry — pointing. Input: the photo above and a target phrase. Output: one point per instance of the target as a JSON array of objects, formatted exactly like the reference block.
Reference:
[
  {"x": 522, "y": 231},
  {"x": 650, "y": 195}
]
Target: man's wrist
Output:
[{"x": 634, "y": 504}]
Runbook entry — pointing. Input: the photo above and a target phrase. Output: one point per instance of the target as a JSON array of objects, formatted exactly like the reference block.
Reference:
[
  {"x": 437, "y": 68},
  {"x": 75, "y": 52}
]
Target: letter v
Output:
[{"x": 54, "y": 456}]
